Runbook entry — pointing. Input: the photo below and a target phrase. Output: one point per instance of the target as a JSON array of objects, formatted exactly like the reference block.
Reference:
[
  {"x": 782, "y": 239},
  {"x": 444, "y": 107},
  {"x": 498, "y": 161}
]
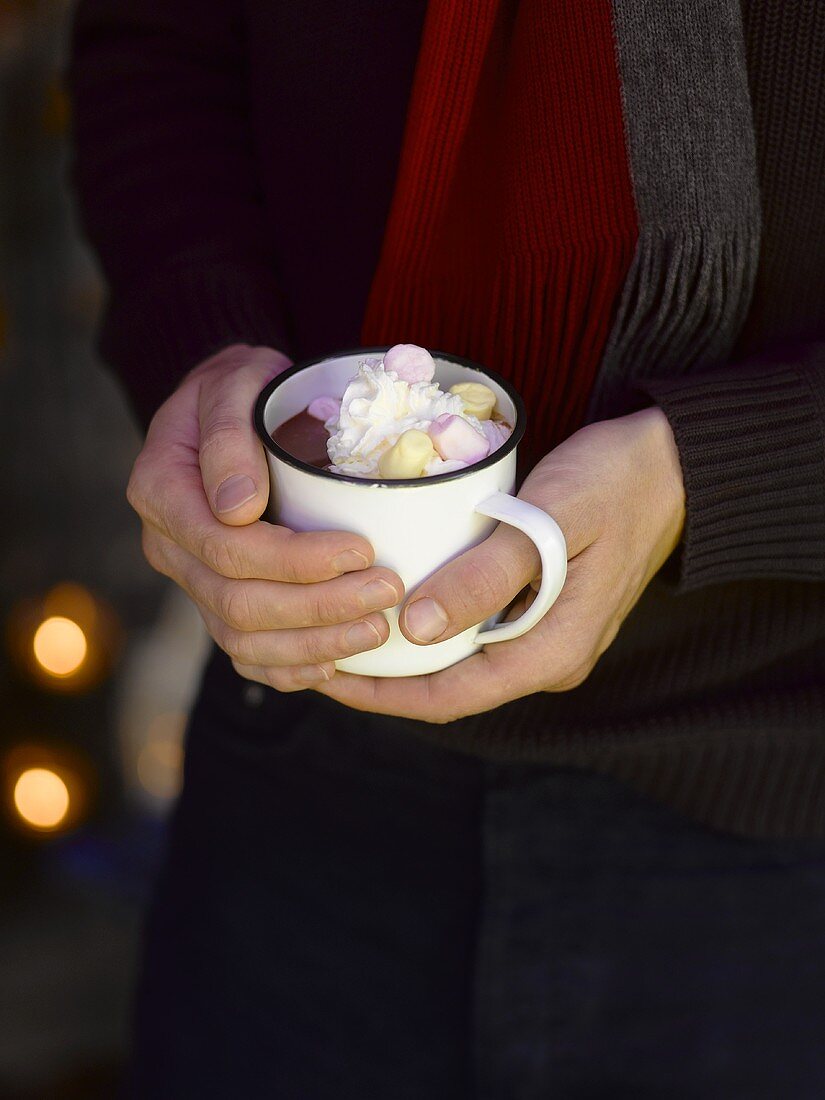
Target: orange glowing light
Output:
[
  {"x": 41, "y": 798},
  {"x": 160, "y": 760},
  {"x": 60, "y": 646},
  {"x": 66, "y": 640}
]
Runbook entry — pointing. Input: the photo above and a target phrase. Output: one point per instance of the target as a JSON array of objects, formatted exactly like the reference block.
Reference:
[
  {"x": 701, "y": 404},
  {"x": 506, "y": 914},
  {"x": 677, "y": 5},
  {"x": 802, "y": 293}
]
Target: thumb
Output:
[
  {"x": 471, "y": 587},
  {"x": 232, "y": 459}
]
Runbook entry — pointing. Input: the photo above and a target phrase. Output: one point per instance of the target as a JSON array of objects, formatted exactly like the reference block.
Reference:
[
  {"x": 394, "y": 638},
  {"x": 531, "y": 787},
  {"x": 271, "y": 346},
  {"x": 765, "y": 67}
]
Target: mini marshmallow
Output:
[
  {"x": 410, "y": 362},
  {"x": 478, "y": 399},
  {"x": 455, "y": 437},
  {"x": 496, "y": 432},
  {"x": 408, "y": 455},
  {"x": 323, "y": 408},
  {"x": 449, "y": 466}
]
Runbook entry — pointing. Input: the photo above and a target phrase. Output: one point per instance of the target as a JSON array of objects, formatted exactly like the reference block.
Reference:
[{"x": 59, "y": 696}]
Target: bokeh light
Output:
[
  {"x": 47, "y": 785},
  {"x": 56, "y": 111},
  {"x": 41, "y": 798},
  {"x": 160, "y": 759},
  {"x": 66, "y": 640},
  {"x": 60, "y": 646}
]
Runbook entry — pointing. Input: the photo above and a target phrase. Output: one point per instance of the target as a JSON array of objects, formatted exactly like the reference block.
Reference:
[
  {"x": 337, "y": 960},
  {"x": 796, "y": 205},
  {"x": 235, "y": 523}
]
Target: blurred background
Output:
[{"x": 101, "y": 656}]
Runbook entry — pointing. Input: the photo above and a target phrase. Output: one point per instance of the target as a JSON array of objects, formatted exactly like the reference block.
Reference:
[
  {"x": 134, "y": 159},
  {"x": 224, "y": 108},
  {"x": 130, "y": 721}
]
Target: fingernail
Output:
[
  {"x": 312, "y": 674},
  {"x": 348, "y": 560},
  {"x": 378, "y": 594},
  {"x": 363, "y": 635},
  {"x": 234, "y": 492},
  {"x": 425, "y": 619}
]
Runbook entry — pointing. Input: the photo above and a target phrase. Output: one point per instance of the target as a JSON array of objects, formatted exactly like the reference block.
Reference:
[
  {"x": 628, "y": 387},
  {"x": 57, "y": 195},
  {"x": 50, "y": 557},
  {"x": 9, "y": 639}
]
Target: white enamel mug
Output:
[{"x": 415, "y": 525}]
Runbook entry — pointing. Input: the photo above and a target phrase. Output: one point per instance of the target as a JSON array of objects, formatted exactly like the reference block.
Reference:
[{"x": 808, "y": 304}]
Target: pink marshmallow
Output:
[
  {"x": 322, "y": 408},
  {"x": 410, "y": 362},
  {"x": 454, "y": 437},
  {"x": 495, "y": 432},
  {"x": 450, "y": 466}
]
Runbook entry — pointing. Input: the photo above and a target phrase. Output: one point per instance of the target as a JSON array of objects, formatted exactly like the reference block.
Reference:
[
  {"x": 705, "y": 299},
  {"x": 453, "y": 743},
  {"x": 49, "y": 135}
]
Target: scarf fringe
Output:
[{"x": 683, "y": 304}]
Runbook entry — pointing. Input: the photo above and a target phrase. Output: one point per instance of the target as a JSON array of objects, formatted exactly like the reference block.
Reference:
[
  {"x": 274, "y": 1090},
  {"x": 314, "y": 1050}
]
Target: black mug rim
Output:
[{"x": 402, "y": 482}]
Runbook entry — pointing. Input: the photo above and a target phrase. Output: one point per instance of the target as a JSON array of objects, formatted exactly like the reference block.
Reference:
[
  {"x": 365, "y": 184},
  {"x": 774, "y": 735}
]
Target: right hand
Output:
[{"x": 284, "y": 605}]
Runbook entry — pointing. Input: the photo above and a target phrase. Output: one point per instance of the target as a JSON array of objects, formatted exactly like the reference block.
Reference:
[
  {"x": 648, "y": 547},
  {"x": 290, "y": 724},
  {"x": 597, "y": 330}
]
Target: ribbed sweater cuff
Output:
[
  {"x": 154, "y": 334},
  {"x": 751, "y": 441}
]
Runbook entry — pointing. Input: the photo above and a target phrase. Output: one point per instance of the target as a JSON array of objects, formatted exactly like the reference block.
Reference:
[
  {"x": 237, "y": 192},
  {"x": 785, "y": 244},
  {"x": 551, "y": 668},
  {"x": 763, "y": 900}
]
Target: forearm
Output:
[
  {"x": 751, "y": 441},
  {"x": 166, "y": 177}
]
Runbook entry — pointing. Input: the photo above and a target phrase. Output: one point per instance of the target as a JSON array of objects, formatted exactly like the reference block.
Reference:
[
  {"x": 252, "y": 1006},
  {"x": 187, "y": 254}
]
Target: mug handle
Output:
[{"x": 552, "y": 548}]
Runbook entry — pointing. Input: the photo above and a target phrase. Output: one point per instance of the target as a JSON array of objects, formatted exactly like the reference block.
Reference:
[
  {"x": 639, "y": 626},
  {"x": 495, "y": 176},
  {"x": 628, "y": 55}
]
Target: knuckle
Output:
[
  {"x": 134, "y": 487},
  {"x": 220, "y": 632},
  {"x": 309, "y": 648},
  {"x": 327, "y": 609},
  {"x": 261, "y": 355},
  {"x": 483, "y": 584},
  {"x": 245, "y": 671},
  {"x": 293, "y": 562},
  {"x": 280, "y": 679},
  {"x": 209, "y": 543},
  {"x": 235, "y": 607},
  {"x": 156, "y": 557},
  {"x": 221, "y": 429},
  {"x": 150, "y": 545},
  {"x": 221, "y": 553},
  {"x": 234, "y": 356},
  {"x": 238, "y": 645},
  {"x": 132, "y": 494}
]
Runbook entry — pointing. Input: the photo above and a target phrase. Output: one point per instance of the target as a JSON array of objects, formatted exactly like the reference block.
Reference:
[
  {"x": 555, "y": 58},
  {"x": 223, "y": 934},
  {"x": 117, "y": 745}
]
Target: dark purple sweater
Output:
[{"x": 234, "y": 166}]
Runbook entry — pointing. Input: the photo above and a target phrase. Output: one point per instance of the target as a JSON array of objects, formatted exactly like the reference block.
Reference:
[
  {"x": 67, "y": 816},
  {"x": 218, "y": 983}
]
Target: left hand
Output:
[{"x": 615, "y": 489}]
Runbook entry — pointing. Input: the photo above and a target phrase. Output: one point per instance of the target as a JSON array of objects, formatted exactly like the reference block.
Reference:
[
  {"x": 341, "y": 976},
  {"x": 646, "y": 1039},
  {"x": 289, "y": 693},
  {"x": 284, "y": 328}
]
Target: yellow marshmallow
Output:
[
  {"x": 408, "y": 455},
  {"x": 478, "y": 399}
]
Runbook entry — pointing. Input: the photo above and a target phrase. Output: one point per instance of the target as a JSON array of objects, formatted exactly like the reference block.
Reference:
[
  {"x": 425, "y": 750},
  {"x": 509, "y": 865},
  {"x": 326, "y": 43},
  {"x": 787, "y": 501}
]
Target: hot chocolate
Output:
[
  {"x": 304, "y": 437},
  {"x": 394, "y": 421}
]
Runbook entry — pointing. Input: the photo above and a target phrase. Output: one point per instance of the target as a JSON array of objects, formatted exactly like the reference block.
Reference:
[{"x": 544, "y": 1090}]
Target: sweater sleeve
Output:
[
  {"x": 164, "y": 168},
  {"x": 751, "y": 441}
]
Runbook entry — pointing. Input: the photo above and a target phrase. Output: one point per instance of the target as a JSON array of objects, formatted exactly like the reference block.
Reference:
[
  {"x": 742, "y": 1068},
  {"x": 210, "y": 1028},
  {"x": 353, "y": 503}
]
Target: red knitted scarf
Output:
[{"x": 512, "y": 222}]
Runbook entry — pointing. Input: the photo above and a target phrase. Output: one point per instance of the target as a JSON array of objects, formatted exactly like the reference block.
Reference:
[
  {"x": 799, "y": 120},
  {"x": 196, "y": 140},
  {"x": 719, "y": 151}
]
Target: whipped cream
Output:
[{"x": 377, "y": 407}]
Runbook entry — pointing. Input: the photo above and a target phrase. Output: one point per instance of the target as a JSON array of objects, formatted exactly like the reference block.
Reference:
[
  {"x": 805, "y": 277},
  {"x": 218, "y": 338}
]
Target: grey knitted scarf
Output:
[{"x": 693, "y": 164}]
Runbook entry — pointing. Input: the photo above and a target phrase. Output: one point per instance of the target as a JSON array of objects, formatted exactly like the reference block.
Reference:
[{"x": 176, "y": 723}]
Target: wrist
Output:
[{"x": 660, "y": 458}]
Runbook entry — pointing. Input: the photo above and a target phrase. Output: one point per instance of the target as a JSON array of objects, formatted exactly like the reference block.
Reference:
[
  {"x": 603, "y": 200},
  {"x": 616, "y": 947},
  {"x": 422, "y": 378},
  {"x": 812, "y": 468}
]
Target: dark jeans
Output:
[{"x": 348, "y": 912}]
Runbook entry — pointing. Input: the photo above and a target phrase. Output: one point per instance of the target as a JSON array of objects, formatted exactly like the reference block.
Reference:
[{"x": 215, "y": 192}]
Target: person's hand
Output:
[
  {"x": 270, "y": 597},
  {"x": 615, "y": 489}
]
